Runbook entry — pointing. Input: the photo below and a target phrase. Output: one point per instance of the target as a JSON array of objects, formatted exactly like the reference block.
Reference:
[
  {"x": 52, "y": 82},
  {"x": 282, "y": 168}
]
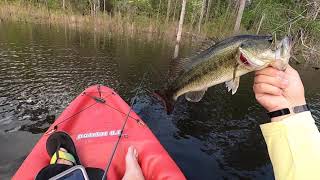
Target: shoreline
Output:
[
  {"x": 307, "y": 50},
  {"x": 101, "y": 22}
]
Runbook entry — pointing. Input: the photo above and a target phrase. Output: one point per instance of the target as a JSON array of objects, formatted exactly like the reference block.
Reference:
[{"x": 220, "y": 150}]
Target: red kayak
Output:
[{"x": 94, "y": 121}]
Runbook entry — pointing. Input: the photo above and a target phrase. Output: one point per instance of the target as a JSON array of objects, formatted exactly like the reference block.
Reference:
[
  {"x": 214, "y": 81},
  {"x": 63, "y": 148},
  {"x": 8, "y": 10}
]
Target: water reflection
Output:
[{"x": 43, "y": 68}]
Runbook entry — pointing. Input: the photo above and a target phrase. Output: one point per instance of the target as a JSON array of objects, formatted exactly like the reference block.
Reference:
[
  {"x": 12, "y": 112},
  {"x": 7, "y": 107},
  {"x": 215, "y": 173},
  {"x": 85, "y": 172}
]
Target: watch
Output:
[
  {"x": 285, "y": 111},
  {"x": 280, "y": 112},
  {"x": 302, "y": 108}
]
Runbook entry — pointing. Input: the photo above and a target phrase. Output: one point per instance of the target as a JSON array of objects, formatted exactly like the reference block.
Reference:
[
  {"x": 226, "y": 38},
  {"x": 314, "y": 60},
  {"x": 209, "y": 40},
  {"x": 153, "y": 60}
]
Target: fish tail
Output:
[{"x": 166, "y": 99}]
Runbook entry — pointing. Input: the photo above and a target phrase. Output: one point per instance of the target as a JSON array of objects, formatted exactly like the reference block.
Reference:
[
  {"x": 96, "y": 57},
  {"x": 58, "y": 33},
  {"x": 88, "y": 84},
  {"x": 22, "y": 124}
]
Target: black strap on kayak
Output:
[
  {"x": 97, "y": 99},
  {"x": 123, "y": 126}
]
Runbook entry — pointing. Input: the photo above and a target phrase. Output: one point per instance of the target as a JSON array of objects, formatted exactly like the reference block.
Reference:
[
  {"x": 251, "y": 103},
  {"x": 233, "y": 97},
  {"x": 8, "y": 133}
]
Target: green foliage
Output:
[
  {"x": 53, "y": 4},
  {"x": 280, "y": 16}
]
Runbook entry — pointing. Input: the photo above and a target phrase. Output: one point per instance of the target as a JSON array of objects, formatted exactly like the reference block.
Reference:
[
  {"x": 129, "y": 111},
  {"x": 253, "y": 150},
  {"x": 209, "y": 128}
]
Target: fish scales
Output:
[
  {"x": 225, "y": 62},
  {"x": 213, "y": 70}
]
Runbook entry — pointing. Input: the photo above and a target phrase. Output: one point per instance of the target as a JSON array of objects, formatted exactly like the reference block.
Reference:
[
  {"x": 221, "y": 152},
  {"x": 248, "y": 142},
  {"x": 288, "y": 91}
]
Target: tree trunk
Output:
[
  {"x": 201, "y": 14},
  {"x": 91, "y": 8},
  {"x": 98, "y": 5},
  {"x": 183, "y": 11},
  {"x": 94, "y": 7},
  {"x": 168, "y": 11},
  {"x": 63, "y": 4},
  {"x": 261, "y": 20},
  {"x": 174, "y": 10},
  {"x": 217, "y": 8},
  {"x": 193, "y": 18},
  {"x": 208, "y": 11},
  {"x": 104, "y": 6},
  {"x": 239, "y": 16},
  {"x": 158, "y": 11}
]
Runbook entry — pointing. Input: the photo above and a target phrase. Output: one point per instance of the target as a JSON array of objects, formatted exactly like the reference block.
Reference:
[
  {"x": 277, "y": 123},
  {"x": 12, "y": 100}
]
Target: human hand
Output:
[{"x": 275, "y": 89}]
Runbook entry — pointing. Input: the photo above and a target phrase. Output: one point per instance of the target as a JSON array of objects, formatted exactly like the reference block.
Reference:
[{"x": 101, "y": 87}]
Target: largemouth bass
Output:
[{"x": 225, "y": 62}]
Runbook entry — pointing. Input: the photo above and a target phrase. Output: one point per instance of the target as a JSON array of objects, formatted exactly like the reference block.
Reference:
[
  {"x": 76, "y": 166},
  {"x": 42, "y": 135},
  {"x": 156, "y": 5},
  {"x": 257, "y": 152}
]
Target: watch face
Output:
[{"x": 302, "y": 108}]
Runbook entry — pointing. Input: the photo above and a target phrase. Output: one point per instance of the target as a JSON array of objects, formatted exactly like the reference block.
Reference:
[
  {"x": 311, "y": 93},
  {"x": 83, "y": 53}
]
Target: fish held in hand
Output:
[{"x": 224, "y": 62}]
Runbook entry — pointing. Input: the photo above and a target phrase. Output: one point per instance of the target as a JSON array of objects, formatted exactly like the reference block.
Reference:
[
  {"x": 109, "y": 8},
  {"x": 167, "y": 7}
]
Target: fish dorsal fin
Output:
[
  {"x": 206, "y": 44},
  {"x": 179, "y": 65},
  {"x": 195, "y": 96},
  {"x": 233, "y": 85},
  {"x": 210, "y": 42}
]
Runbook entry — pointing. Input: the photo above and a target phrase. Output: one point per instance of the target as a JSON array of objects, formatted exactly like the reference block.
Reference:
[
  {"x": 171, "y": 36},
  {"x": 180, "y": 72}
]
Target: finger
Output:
[
  {"x": 270, "y": 71},
  {"x": 263, "y": 88},
  {"x": 274, "y": 81}
]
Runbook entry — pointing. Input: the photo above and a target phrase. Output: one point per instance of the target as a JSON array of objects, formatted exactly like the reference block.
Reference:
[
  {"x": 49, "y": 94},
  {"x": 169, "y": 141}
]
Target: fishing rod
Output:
[{"x": 122, "y": 129}]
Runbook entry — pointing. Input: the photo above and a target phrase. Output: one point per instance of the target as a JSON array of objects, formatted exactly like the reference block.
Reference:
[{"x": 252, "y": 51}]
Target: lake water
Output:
[{"x": 42, "y": 68}]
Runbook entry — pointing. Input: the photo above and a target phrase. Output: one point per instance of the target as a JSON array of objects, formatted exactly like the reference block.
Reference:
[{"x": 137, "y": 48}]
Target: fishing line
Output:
[
  {"x": 68, "y": 118},
  {"x": 123, "y": 126},
  {"x": 120, "y": 111},
  {"x": 98, "y": 100}
]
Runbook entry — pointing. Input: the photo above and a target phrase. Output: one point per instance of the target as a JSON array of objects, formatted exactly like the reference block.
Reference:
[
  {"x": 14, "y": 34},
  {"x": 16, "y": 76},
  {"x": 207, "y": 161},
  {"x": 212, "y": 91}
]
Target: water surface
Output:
[{"x": 42, "y": 68}]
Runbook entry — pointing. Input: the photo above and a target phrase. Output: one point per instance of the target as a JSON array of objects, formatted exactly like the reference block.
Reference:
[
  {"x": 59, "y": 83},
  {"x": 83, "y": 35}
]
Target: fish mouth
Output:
[
  {"x": 284, "y": 47},
  {"x": 287, "y": 41},
  {"x": 250, "y": 62}
]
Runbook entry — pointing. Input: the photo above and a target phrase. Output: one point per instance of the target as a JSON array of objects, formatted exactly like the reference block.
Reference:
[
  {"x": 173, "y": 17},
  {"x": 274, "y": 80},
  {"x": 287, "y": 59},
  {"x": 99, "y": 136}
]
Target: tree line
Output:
[
  {"x": 208, "y": 16},
  {"x": 198, "y": 12}
]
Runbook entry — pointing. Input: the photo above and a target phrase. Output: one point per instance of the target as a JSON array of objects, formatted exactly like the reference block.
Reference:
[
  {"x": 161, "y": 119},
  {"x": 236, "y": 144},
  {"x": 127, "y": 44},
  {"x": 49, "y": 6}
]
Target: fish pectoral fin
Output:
[
  {"x": 195, "y": 96},
  {"x": 233, "y": 85}
]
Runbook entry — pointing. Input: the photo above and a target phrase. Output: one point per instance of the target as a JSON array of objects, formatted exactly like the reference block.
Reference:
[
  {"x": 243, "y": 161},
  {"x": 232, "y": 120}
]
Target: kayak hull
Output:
[{"x": 95, "y": 125}]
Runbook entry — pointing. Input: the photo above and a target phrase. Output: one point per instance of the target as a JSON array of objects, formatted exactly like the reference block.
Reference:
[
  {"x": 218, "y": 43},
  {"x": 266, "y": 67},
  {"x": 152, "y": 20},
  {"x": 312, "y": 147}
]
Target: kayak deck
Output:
[{"x": 94, "y": 121}]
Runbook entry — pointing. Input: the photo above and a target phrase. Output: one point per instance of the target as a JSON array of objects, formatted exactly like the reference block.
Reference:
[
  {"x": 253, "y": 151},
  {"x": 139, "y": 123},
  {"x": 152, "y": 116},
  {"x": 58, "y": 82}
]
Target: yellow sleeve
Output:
[{"x": 294, "y": 147}]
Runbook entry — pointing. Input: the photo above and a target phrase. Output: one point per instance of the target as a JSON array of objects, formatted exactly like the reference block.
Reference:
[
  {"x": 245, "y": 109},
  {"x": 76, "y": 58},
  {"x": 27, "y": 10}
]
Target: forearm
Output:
[{"x": 294, "y": 147}]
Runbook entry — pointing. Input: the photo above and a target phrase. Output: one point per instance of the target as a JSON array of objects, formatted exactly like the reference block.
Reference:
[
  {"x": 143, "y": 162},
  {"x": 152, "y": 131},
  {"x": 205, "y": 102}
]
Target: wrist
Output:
[
  {"x": 279, "y": 114},
  {"x": 299, "y": 103}
]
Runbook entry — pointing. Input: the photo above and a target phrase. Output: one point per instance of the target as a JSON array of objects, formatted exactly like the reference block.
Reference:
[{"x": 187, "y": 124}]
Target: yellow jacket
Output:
[{"x": 294, "y": 147}]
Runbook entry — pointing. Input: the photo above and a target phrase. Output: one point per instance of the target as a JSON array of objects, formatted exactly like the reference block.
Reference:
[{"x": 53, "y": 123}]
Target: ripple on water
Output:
[{"x": 37, "y": 83}]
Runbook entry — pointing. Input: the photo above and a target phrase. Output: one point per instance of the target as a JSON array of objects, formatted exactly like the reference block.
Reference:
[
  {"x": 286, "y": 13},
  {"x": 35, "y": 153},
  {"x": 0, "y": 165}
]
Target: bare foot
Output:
[{"x": 133, "y": 170}]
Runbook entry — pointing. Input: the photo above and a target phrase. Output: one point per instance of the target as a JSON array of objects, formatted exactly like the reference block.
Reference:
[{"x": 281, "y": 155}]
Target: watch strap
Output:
[
  {"x": 280, "y": 112},
  {"x": 285, "y": 111},
  {"x": 302, "y": 108}
]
